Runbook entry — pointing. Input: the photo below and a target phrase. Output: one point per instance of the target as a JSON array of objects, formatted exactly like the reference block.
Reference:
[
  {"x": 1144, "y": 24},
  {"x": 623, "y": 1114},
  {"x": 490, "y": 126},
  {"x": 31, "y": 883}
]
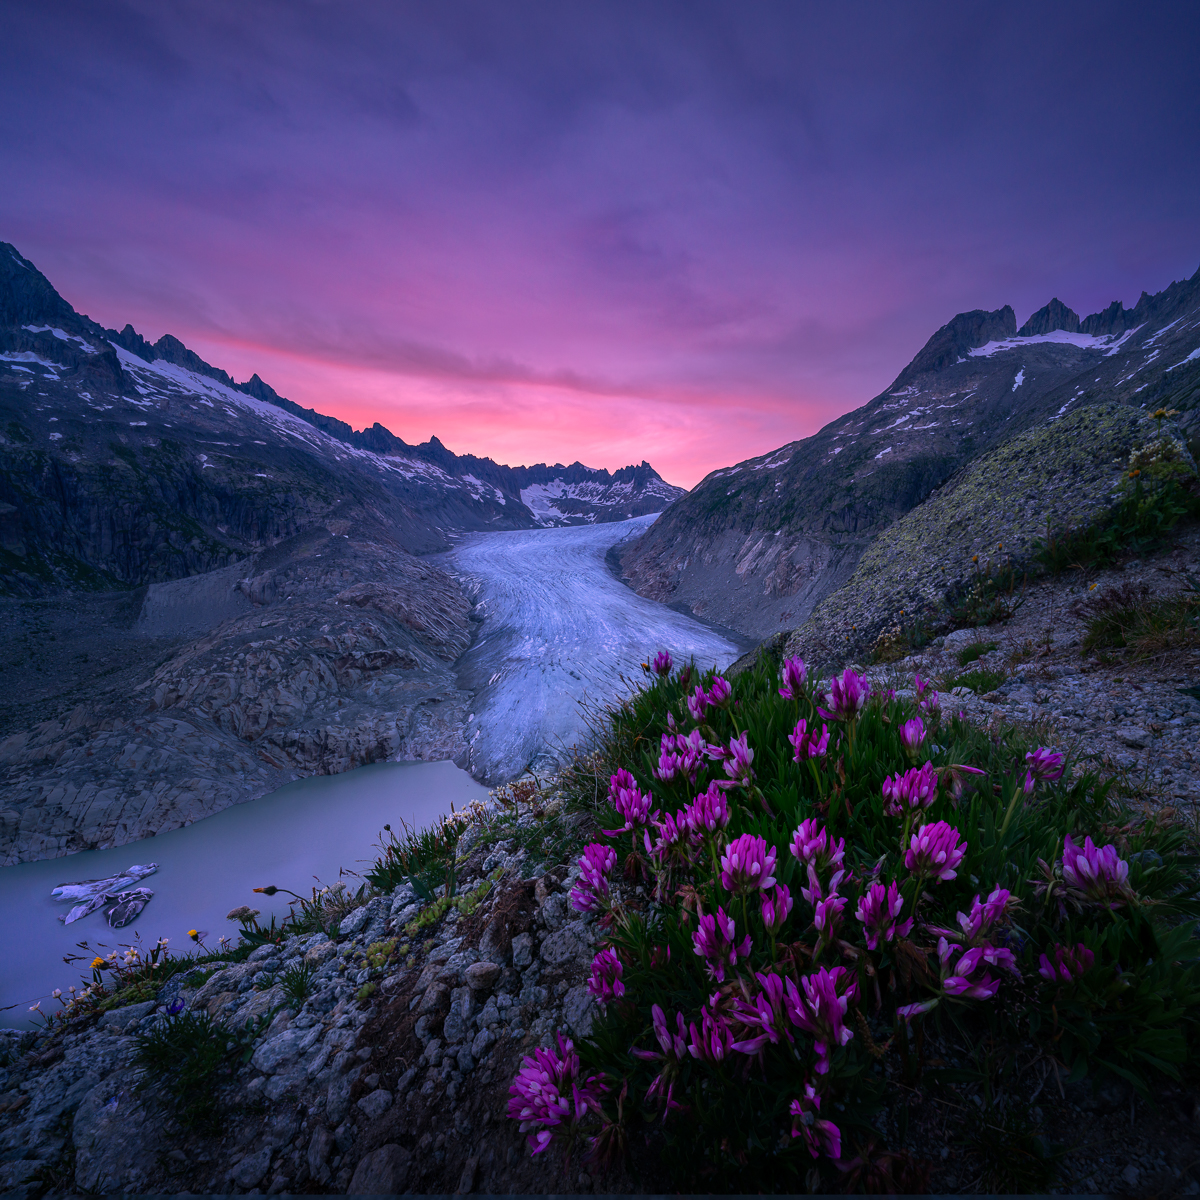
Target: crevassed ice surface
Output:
[
  {"x": 558, "y": 629},
  {"x": 312, "y": 827}
]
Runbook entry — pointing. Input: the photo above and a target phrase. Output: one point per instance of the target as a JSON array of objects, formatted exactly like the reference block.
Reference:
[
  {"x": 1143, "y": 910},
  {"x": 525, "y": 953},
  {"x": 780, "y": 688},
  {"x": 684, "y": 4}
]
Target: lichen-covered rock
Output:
[{"x": 1061, "y": 474}]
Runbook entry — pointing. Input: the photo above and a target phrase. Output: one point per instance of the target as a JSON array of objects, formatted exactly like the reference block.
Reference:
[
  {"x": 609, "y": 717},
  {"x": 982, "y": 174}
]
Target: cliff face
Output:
[{"x": 757, "y": 545}]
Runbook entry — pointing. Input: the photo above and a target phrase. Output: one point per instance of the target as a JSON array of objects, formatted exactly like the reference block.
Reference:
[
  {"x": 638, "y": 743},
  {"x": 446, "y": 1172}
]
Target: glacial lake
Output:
[{"x": 312, "y": 827}]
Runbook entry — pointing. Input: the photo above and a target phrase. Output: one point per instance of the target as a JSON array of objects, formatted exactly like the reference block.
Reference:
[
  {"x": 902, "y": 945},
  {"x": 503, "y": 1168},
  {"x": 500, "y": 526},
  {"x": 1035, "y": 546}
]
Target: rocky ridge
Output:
[{"x": 759, "y": 544}]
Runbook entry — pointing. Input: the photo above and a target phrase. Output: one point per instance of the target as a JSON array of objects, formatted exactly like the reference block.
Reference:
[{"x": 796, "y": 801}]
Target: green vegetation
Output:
[
  {"x": 1126, "y": 617},
  {"x": 736, "y": 1025},
  {"x": 979, "y": 681},
  {"x": 974, "y": 652}
]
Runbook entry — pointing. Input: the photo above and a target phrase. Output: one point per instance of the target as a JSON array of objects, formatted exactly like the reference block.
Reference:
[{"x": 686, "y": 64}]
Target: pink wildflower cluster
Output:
[
  {"x": 547, "y": 1091},
  {"x": 1096, "y": 873},
  {"x": 935, "y": 852},
  {"x": 591, "y": 892},
  {"x": 812, "y": 845},
  {"x": 716, "y": 942},
  {"x": 675, "y": 842},
  {"x": 792, "y": 676},
  {"x": 879, "y": 911},
  {"x": 671, "y": 1052},
  {"x": 806, "y": 743},
  {"x": 708, "y": 812},
  {"x": 663, "y": 663},
  {"x": 912, "y": 736},
  {"x": 819, "y": 1135},
  {"x": 764, "y": 1015},
  {"x": 605, "y": 984},
  {"x": 681, "y": 755},
  {"x": 717, "y": 696},
  {"x": 712, "y": 1040},
  {"x": 738, "y": 757},
  {"x": 821, "y": 1010},
  {"x": 916, "y": 788},
  {"x": 848, "y": 696},
  {"x": 1042, "y": 765},
  {"x": 927, "y": 698},
  {"x": 630, "y": 802},
  {"x": 747, "y": 865},
  {"x": 1066, "y": 964},
  {"x": 959, "y": 978},
  {"x": 776, "y": 907}
]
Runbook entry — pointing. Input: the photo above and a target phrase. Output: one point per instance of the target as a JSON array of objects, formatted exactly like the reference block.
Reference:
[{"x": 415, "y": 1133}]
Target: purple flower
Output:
[
  {"x": 811, "y": 843},
  {"x": 793, "y": 675},
  {"x": 719, "y": 692},
  {"x": 738, "y": 760},
  {"x": 674, "y": 841},
  {"x": 806, "y": 743},
  {"x": 547, "y": 1091},
  {"x": 715, "y": 942},
  {"x": 591, "y": 892},
  {"x": 984, "y": 914},
  {"x": 709, "y": 811},
  {"x": 927, "y": 698},
  {"x": 1096, "y": 871},
  {"x": 605, "y": 983},
  {"x": 848, "y": 696},
  {"x": 697, "y": 704},
  {"x": 818, "y": 1135},
  {"x": 764, "y": 1015},
  {"x": 672, "y": 1050},
  {"x": 776, "y": 906},
  {"x": 879, "y": 910},
  {"x": 827, "y": 915},
  {"x": 956, "y": 976},
  {"x": 912, "y": 735},
  {"x": 748, "y": 864},
  {"x": 1067, "y": 964},
  {"x": 1044, "y": 764},
  {"x": 916, "y": 788},
  {"x": 663, "y": 663},
  {"x": 712, "y": 1042},
  {"x": 821, "y": 1009},
  {"x": 630, "y": 802},
  {"x": 680, "y": 755},
  {"x": 935, "y": 851}
]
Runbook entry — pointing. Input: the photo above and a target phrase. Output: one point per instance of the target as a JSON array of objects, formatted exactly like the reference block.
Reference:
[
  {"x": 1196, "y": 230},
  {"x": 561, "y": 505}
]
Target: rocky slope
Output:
[{"x": 758, "y": 544}]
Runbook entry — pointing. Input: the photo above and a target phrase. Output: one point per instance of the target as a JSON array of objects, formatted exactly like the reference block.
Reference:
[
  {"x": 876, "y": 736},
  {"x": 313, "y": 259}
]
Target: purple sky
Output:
[{"x": 684, "y": 232}]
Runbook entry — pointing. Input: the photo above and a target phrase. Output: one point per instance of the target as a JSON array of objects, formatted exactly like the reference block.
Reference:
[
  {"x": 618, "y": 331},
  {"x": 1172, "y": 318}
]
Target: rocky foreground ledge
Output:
[{"x": 392, "y": 1076}]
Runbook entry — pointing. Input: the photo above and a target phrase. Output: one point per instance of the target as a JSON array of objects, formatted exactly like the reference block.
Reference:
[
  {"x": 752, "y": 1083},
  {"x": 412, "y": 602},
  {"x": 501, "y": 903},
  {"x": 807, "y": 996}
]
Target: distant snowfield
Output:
[{"x": 558, "y": 629}]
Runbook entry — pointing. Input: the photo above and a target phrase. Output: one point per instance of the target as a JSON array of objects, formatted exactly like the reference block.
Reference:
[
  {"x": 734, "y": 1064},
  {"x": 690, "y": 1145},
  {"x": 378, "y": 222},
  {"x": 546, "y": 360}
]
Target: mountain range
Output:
[{"x": 758, "y": 544}]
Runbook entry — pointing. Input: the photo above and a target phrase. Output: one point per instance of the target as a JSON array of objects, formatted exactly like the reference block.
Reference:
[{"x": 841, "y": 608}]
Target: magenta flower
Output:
[
  {"x": 1045, "y": 764},
  {"x": 547, "y": 1091},
  {"x": 821, "y": 1010},
  {"x": 712, "y": 1042},
  {"x": 719, "y": 692},
  {"x": 1096, "y": 872},
  {"x": 776, "y": 906},
  {"x": 927, "y": 698},
  {"x": 709, "y": 811},
  {"x": 737, "y": 761},
  {"x": 811, "y": 843},
  {"x": 935, "y": 851},
  {"x": 912, "y": 736},
  {"x": 793, "y": 675},
  {"x": 827, "y": 915},
  {"x": 1067, "y": 964},
  {"x": 764, "y": 1015},
  {"x": 748, "y": 864},
  {"x": 916, "y": 788},
  {"x": 672, "y": 1050},
  {"x": 878, "y": 910},
  {"x": 820, "y": 1136},
  {"x": 605, "y": 983},
  {"x": 848, "y": 696},
  {"x": 697, "y": 704},
  {"x": 806, "y": 743},
  {"x": 984, "y": 914},
  {"x": 630, "y": 802},
  {"x": 715, "y": 942},
  {"x": 674, "y": 842},
  {"x": 680, "y": 755},
  {"x": 591, "y": 892},
  {"x": 663, "y": 663},
  {"x": 957, "y": 976}
]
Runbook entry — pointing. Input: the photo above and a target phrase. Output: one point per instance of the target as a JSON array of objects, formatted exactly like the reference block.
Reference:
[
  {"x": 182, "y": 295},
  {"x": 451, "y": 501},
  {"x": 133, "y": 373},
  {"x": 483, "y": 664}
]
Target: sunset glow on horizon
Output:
[{"x": 606, "y": 233}]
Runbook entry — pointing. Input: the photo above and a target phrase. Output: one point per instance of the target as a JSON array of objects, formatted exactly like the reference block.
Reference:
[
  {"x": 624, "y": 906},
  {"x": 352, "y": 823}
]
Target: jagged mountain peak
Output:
[
  {"x": 1055, "y": 315},
  {"x": 959, "y": 335}
]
